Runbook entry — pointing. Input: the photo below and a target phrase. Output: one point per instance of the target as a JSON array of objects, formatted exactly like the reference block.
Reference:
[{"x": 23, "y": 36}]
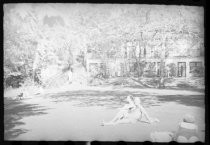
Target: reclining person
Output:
[
  {"x": 123, "y": 111},
  {"x": 131, "y": 113},
  {"x": 143, "y": 113}
]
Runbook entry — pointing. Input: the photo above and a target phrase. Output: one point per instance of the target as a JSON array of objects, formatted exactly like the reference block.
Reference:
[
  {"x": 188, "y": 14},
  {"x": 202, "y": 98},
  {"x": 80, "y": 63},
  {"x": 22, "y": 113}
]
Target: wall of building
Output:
[{"x": 180, "y": 53}]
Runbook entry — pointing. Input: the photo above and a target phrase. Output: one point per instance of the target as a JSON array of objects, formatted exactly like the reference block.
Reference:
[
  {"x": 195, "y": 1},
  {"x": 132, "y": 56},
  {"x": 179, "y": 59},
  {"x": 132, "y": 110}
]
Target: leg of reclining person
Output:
[
  {"x": 126, "y": 120},
  {"x": 132, "y": 118},
  {"x": 149, "y": 120},
  {"x": 142, "y": 111},
  {"x": 118, "y": 117},
  {"x": 123, "y": 112}
]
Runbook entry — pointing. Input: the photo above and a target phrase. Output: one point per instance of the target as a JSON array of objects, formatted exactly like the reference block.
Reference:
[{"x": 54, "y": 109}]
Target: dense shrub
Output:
[{"x": 14, "y": 80}]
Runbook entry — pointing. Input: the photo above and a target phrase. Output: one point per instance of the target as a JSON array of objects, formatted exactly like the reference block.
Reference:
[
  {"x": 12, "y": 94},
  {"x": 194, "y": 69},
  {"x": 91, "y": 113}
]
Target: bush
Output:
[
  {"x": 27, "y": 82},
  {"x": 14, "y": 80}
]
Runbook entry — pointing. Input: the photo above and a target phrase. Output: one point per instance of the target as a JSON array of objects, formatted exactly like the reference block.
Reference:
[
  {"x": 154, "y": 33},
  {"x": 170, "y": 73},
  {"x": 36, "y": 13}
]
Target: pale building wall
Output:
[{"x": 188, "y": 55}]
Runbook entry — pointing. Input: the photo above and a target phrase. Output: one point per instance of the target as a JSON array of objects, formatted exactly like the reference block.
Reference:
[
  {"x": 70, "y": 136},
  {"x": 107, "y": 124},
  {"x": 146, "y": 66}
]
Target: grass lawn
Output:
[{"x": 76, "y": 114}]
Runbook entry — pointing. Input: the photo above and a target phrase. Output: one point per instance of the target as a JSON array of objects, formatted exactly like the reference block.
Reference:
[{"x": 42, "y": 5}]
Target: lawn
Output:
[{"x": 77, "y": 113}]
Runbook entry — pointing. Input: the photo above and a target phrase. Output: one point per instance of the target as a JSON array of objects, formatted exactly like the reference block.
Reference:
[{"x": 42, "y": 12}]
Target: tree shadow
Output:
[
  {"x": 179, "y": 84},
  {"x": 116, "y": 98},
  {"x": 14, "y": 111},
  {"x": 189, "y": 100},
  {"x": 108, "y": 99},
  {"x": 185, "y": 89}
]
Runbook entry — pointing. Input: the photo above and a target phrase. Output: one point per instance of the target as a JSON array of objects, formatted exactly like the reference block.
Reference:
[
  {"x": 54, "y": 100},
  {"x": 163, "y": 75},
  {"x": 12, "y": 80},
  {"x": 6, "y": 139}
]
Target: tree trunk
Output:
[
  {"x": 161, "y": 78},
  {"x": 162, "y": 63},
  {"x": 36, "y": 61},
  {"x": 139, "y": 69}
]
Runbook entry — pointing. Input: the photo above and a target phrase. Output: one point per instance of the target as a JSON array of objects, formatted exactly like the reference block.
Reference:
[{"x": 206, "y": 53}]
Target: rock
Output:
[{"x": 161, "y": 136}]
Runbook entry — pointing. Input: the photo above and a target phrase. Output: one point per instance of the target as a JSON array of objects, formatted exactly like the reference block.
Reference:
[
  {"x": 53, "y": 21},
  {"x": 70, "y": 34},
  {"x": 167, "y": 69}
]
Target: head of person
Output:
[
  {"x": 189, "y": 118},
  {"x": 130, "y": 98},
  {"x": 137, "y": 101}
]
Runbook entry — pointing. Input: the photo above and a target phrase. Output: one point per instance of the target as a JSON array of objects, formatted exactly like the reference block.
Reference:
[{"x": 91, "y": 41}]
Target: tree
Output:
[{"x": 40, "y": 36}]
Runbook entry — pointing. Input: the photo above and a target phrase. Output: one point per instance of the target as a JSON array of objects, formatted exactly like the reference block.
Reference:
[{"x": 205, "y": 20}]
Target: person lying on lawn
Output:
[
  {"x": 143, "y": 113},
  {"x": 131, "y": 113},
  {"x": 123, "y": 111}
]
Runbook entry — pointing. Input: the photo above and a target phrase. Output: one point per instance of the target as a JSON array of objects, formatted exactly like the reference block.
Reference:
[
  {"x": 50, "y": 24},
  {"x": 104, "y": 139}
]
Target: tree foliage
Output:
[{"x": 38, "y": 35}]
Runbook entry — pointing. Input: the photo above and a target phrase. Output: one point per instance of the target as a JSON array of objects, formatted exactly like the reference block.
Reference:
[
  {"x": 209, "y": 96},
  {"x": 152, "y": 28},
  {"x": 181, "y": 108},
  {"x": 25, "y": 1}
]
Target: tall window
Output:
[{"x": 182, "y": 69}]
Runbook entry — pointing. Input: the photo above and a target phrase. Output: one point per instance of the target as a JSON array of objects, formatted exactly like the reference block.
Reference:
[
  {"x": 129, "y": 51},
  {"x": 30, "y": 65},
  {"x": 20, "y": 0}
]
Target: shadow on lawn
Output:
[
  {"x": 14, "y": 111},
  {"x": 116, "y": 99},
  {"x": 110, "y": 99},
  {"x": 190, "y": 100}
]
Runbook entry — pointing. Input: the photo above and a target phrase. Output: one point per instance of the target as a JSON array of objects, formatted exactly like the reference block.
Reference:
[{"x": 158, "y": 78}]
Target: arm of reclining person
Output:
[{"x": 129, "y": 106}]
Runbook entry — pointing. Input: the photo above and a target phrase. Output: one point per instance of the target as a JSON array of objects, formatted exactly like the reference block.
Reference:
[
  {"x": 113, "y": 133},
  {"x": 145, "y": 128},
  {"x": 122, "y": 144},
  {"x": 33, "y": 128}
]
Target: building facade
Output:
[{"x": 181, "y": 60}]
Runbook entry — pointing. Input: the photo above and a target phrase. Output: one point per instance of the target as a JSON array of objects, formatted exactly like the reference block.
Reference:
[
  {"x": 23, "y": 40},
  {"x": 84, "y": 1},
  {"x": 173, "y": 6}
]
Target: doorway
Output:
[{"x": 181, "y": 69}]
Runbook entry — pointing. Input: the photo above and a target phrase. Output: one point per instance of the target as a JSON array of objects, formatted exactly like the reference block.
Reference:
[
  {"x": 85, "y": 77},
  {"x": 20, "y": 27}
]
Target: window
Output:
[
  {"x": 182, "y": 69},
  {"x": 195, "y": 65},
  {"x": 196, "y": 69}
]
